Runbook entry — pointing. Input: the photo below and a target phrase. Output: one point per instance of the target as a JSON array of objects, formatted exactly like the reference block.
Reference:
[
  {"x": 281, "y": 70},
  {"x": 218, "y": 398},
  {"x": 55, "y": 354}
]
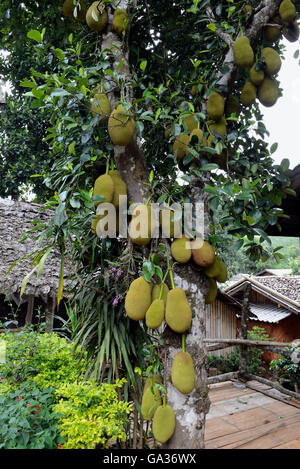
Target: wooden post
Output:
[
  {"x": 50, "y": 314},
  {"x": 243, "y": 332},
  {"x": 29, "y": 313}
]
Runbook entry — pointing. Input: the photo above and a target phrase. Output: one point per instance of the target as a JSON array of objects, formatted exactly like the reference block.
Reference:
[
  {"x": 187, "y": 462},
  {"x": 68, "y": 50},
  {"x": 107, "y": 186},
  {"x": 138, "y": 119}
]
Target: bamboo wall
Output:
[{"x": 221, "y": 323}]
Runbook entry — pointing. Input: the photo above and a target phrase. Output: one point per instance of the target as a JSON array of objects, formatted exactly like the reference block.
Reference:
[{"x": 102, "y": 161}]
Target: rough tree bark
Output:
[{"x": 190, "y": 409}]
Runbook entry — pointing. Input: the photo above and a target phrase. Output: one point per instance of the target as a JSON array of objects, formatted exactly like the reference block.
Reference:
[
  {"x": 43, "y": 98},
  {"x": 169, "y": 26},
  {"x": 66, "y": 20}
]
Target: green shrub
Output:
[
  {"x": 39, "y": 359},
  {"x": 28, "y": 420},
  {"x": 91, "y": 414},
  {"x": 285, "y": 369}
]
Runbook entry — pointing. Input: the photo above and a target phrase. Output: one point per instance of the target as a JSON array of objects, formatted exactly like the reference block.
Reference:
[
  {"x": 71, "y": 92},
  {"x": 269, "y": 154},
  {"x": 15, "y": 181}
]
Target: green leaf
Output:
[
  {"x": 143, "y": 65},
  {"x": 35, "y": 35}
]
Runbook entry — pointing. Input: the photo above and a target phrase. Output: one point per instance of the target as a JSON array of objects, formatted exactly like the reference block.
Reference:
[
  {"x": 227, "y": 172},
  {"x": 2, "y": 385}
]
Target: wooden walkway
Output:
[{"x": 241, "y": 418}]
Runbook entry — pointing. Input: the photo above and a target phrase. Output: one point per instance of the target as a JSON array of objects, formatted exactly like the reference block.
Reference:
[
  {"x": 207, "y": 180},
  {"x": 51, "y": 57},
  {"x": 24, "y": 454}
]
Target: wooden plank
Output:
[
  {"x": 218, "y": 427},
  {"x": 295, "y": 444}
]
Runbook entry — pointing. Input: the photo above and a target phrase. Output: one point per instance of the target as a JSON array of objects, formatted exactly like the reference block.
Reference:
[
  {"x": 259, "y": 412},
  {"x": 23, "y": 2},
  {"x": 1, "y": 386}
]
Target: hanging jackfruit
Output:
[
  {"x": 268, "y": 92},
  {"x": 178, "y": 311},
  {"x": 183, "y": 372},
  {"x": 155, "y": 314},
  {"x": 68, "y": 9},
  {"x": 121, "y": 126},
  {"x": 291, "y": 31},
  {"x": 101, "y": 105},
  {"x": 151, "y": 398},
  {"x": 190, "y": 121},
  {"x": 248, "y": 95},
  {"x": 120, "y": 21},
  {"x": 256, "y": 76},
  {"x": 287, "y": 11},
  {"x": 220, "y": 127},
  {"x": 142, "y": 226},
  {"x": 138, "y": 299},
  {"x": 104, "y": 186},
  {"x": 164, "y": 422},
  {"x": 203, "y": 253},
  {"x": 212, "y": 293},
  {"x": 243, "y": 52},
  {"x": 272, "y": 59},
  {"x": 181, "y": 250},
  {"x": 272, "y": 33},
  {"x": 156, "y": 292},
  {"x": 170, "y": 223},
  {"x": 215, "y": 269},
  {"x": 232, "y": 106},
  {"x": 120, "y": 187},
  {"x": 222, "y": 275},
  {"x": 180, "y": 146},
  {"x": 215, "y": 106},
  {"x": 96, "y": 17}
]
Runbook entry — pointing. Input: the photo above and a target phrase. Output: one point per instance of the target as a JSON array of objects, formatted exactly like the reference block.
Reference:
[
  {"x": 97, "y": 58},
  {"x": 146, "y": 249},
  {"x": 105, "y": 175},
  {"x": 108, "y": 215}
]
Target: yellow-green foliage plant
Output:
[{"x": 91, "y": 414}]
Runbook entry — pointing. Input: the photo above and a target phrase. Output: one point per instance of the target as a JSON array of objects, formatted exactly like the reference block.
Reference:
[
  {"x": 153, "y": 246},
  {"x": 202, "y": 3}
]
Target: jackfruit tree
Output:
[{"x": 159, "y": 101}]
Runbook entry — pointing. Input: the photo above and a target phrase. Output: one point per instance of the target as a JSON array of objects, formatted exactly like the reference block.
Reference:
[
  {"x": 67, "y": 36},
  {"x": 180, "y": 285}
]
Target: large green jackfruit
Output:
[
  {"x": 181, "y": 250},
  {"x": 68, "y": 9},
  {"x": 142, "y": 226},
  {"x": 183, "y": 372},
  {"x": 171, "y": 223},
  {"x": 243, "y": 52},
  {"x": 215, "y": 106},
  {"x": 222, "y": 275},
  {"x": 104, "y": 186},
  {"x": 120, "y": 187},
  {"x": 180, "y": 146},
  {"x": 191, "y": 122},
  {"x": 232, "y": 106},
  {"x": 272, "y": 59},
  {"x": 121, "y": 126},
  {"x": 101, "y": 106},
  {"x": 151, "y": 398},
  {"x": 156, "y": 292},
  {"x": 249, "y": 93},
  {"x": 203, "y": 253},
  {"x": 220, "y": 127},
  {"x": 120, "y": 21},
  {"x": 96, "y": 17},
  {"x": 256, "y": 76},
  {"x": 214, "y": 269},
  {"x": 155, "y": 314},
  {"x": 212, "y": 293},
  {"x": 178, "y": 311},
  {"x": 287, "y": 11},
  {"x": 268, "y": 92},
  {"x": 273, "y": 33},
  {"x": 138, "y": 299},
  {"x": 164, "y": 422}
]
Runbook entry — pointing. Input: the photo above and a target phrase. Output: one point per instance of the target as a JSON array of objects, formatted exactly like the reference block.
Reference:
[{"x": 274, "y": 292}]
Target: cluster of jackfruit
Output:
[
  {"x": 203, "y": 255},
  {"x": 261, "y": 83},
  {"x": 96, "y": 16},
  {"x": 110, "y": 186},
  {"x": 152, "y": 407}
]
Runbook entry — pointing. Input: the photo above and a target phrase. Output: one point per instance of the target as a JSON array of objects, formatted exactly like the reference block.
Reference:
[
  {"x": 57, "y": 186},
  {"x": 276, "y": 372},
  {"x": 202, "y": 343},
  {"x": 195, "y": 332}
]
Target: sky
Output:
[{"x": 283, "y": 119}]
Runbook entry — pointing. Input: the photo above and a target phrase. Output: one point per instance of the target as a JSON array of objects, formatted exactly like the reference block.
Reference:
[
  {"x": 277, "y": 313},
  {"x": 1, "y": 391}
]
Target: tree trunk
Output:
[{"x": 243, "y": 333}]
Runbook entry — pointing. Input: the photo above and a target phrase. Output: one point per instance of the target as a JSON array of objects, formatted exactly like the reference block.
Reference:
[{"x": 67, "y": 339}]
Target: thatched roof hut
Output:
[{"x": 15, "y": 219}]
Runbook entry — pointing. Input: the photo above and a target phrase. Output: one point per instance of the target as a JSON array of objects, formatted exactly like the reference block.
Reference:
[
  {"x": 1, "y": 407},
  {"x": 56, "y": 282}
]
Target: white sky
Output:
[{"x": 283, "y": 119}]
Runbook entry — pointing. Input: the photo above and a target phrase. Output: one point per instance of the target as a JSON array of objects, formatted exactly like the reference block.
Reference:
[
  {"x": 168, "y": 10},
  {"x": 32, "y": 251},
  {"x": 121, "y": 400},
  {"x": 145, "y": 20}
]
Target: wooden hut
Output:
[
  {"x": 221, "y": 320},
  {"x": 274, "y": 305},
  {"x": 15, "y": 218}
]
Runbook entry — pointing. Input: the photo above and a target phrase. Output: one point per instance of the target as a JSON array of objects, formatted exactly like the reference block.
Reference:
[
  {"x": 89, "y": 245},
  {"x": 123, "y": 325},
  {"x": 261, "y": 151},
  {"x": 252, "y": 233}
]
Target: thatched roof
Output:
[
  {"x": 284, "y": 291},
  {"x": 15, "y": 218}
]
